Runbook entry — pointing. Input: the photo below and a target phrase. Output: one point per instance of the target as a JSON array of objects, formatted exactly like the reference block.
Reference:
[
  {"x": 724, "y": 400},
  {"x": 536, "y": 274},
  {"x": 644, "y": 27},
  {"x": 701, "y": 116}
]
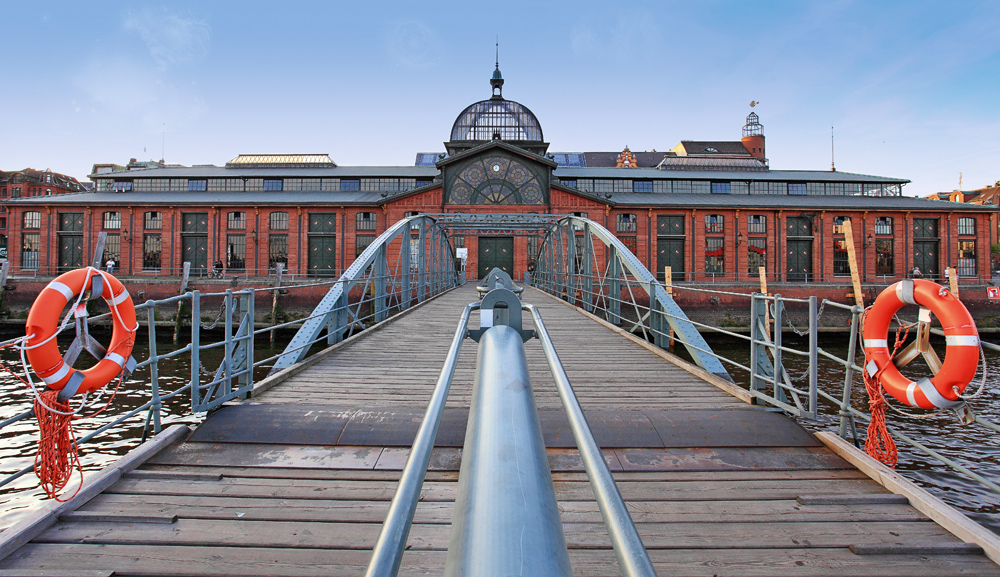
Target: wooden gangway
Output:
[{"x": 297, "y": 479}]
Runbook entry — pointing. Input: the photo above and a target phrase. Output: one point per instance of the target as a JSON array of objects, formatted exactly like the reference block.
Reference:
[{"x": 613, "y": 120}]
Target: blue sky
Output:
[{"x": 912, "y": 87}]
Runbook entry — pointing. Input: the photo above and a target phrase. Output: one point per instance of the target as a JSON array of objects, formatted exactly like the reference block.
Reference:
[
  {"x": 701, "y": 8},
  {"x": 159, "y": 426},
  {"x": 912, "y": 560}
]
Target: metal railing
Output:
[
  {"x": 592, "y": 278},
  {"x": 366, "y": 295},
  {"x": 505, "y": 501}
]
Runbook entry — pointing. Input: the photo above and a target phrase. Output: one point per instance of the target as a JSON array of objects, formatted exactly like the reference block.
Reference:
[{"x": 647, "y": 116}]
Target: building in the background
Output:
[
  {"x": 711, "y": 210},
  {"x": 30, "y": 183},
  {"x": 987, "y": 197}
]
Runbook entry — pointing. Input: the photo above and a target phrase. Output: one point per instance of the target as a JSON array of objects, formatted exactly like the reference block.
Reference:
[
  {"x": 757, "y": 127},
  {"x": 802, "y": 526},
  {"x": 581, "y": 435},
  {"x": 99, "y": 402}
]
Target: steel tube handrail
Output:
[
  {"x": 506, "y": 520},
  {"x": 632, "y": 556},
  {"x": 388, "y": 550}
]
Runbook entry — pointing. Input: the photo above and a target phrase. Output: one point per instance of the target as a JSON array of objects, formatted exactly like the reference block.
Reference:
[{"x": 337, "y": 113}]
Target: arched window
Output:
[
  {"x": 112, "y": 220},
  {"x": 278, "y": 221},
  {"x": 237, "y": 220}
]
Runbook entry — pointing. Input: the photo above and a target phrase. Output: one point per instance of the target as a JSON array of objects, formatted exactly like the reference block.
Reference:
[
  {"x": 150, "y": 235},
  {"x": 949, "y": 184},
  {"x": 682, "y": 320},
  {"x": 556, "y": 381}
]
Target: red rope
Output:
[
  {"x": 879, "y": 443},
  {"x": 57, "y": 451}
]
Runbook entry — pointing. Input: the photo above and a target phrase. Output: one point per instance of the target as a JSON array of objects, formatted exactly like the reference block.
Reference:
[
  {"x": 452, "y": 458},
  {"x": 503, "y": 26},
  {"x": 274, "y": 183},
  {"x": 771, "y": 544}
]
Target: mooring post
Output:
[
  {"x": 178, "y": 320},
  {"x": 274, "y": 299}
]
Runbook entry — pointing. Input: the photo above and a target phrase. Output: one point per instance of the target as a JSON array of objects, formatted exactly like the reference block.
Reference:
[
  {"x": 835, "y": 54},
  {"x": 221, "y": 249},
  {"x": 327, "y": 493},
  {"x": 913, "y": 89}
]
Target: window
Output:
[
  {"x": 967, "y": 257},
  {"x": 715, "y": 256},
  {"x": 423, "y": 182},
  {"x": 273, "y": 185},
  {"x": 629, "y": 242},
  {"x": 113, "y": 248},
  {"x": 642, "y": 186},
  {"x": 153, "y": 220},
  {"x": 349, "y": 184},
  {"x": 32, "y": 219},
  {"x": 277, "y": 249},
  {"x": 579, "y": 227},
  {"x": 838, "y": 224},
  {"x": 459, "y": 241},
  {"x": 883, "y": 225},
  {"x": 570, "y": 182},
  {"x": 756, "y": 255},
  {"x": 714, "y": 223},
  {"x": 122, "y": 186},
  {"x": 756, "y": 224},
  {"x": 3, "y": 222},
  {"x": 885, "y": 264},
  {"x": 112, "y": 221},
  {"x": 532, "y": 249},
  {"x": 197, "y": 185},
  {"x": 967, "y": 226},
  {"x": 797, "y": 188},
  {"x": 414, "y": 226},
  {"x": 29, "y": 250},
  {"x": 366, "y": 221},
  {"x": 626, "y": 223},
  {"x": 151, "y": 252},
  {"x": 361, "y": 242},
  {"x": 237, "y": 221},
  {"x": 278, "y": 221},
  {"x": 840, "y": 264},
  {"x": 721, "y": 188},
  {"x": 236, "y": 252}
]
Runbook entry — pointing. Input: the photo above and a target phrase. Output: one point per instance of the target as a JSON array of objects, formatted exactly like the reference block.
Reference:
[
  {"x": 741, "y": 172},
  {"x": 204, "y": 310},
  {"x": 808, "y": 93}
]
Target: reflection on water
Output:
[{"x": 973, "y": 447}]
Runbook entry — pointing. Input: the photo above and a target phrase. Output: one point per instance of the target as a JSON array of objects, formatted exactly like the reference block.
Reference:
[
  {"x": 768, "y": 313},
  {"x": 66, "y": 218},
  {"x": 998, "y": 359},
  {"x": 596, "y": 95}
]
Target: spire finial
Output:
[{"x": 497, "y": 81}]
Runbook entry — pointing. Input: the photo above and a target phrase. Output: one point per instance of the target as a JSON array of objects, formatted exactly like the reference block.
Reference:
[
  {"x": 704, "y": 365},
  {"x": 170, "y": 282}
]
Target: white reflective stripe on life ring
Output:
[
  {"x": 962, "y": 340},
  {"x": 61, "y": 288},
  {"x": 932, "y": 394},
  {"x": 58, "y": 376},
  {"x": 120, "y": 298},
  {"x": 116, "y": 359},
  {"x": 904, "y": 292},
  {"x": 876, "y": 343}
]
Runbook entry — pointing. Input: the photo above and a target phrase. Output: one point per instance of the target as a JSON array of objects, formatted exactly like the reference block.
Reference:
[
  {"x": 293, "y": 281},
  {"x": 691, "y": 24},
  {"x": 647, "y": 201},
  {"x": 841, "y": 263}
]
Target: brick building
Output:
[
  {"x": 712, "y": 210},
  {"x": 30, "y": 183}
]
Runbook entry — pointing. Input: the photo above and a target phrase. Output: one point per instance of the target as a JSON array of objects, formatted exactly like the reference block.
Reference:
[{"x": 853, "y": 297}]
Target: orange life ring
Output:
[
  {"x": 43, "y": 321},
  {"x": 961, "y": 359}
]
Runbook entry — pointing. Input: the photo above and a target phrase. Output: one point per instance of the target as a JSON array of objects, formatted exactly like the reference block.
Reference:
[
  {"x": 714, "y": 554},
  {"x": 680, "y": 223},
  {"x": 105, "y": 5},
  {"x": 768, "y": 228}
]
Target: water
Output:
[{"x": 974, "y": 447}]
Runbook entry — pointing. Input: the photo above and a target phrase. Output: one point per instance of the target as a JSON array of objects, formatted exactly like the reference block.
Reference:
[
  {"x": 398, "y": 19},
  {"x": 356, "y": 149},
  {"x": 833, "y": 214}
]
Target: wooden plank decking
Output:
[{"x": 297, "y": 480}]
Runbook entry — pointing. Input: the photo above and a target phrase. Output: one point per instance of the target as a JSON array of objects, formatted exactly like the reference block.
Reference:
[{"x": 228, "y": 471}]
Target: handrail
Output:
[
  {"x": 388, "y": 550},
  {"x": 632, "y": 556}
]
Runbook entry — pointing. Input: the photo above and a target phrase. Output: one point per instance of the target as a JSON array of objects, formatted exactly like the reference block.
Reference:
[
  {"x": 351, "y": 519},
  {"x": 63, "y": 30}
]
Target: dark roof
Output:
[
  {"x": 212, "y": 171},
  {"x": 209, "y": 198},
  {"x": 789, "y": 202},
  {"x": 730, "y": 147},
  {"x": 769, "y": 175},
  {"x": 34, "y": 177},
  {"x": 481, "y": 148}
]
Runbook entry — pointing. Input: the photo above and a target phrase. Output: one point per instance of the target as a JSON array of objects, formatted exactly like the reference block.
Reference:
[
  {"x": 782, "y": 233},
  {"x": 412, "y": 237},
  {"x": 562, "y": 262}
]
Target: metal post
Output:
[
  {"x": 178, "y": 321},
  {"x": 813, "y": 356},
  {"x": 195, "y": 348},
  {"x": 756, "y": 303},
  {"x": 779, "y": 369},
  {"x": 421, "y": 262},
  {"x": 614, "y": 288},
  {"x": 587, "y": 285},
  {"x": 247, "y": 307},
  {"x": 274, "y": 300},
  {"x": 227, "y": 384},
  {"x": 632, "y": 556},
  {"x": 379, "y": 271},
  {"x": 506, "y": 519},
  {"x": 388, "y": 551},
  {"x": 404, "y": 257},
  {"x": 154, "y": 365},
  {"x": 852, "y": 350}
]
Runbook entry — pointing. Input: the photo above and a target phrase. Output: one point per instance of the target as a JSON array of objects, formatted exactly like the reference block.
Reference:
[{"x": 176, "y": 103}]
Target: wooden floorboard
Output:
[{"x": 254, "y": 508}]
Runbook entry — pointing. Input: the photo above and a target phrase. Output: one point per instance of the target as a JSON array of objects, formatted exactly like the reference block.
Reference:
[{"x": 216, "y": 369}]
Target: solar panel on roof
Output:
[{"x": 568, "y": 158}]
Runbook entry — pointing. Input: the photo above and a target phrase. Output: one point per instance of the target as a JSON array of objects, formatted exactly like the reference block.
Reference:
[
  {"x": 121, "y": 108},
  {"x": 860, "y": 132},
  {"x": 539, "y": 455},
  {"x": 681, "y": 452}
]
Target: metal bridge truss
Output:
[
  {"x": 390, "y": 276},
  {"x": 583, "y": 263}
]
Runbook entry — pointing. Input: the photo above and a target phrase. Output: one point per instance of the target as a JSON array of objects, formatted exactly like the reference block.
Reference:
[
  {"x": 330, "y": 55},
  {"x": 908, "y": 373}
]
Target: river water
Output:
[{"x": 974, "y": 447}]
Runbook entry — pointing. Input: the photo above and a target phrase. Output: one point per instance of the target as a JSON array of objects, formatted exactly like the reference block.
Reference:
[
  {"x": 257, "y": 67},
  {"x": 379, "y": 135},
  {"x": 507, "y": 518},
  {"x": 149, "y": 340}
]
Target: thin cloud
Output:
[
  {"x": 412, "y": 44},
  {"x": 171, "y": 38}
]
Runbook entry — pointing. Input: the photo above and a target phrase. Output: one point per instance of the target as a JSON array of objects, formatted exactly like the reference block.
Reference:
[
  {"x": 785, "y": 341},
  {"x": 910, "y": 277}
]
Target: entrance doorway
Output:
[{"x": 496, "y": 252}]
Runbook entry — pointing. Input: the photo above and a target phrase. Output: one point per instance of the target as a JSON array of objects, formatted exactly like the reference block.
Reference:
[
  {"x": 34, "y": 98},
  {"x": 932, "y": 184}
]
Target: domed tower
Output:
[
  {"x": 753, "y": 137},
  {"x": 496, "y": 119}
]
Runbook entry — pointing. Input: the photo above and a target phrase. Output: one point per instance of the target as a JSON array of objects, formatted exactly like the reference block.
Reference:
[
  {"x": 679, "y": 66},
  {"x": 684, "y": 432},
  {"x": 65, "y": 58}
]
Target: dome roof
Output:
[{"x": 496, "y": 117}]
